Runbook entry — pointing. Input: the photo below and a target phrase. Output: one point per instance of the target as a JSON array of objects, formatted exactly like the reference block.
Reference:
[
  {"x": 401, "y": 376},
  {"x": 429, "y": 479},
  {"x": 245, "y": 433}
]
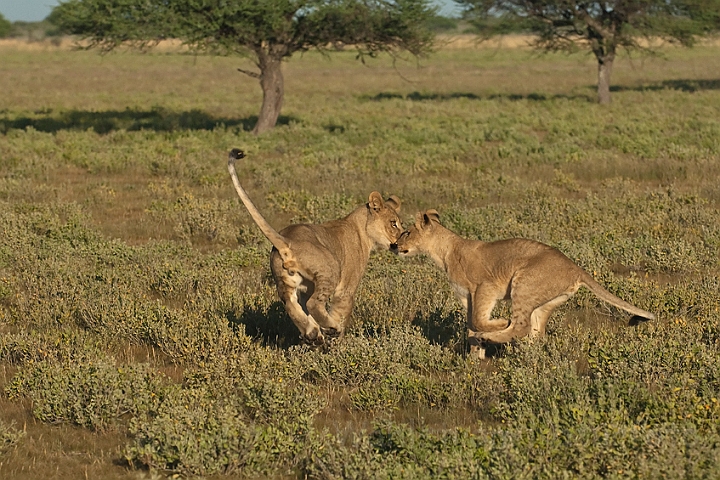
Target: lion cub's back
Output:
[{"x": 523, "y": 252}]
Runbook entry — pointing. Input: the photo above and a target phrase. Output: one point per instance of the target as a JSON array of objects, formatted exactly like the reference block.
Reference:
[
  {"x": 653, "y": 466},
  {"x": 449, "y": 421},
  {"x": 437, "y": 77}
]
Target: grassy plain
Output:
[{"x": 140, "y": 334}]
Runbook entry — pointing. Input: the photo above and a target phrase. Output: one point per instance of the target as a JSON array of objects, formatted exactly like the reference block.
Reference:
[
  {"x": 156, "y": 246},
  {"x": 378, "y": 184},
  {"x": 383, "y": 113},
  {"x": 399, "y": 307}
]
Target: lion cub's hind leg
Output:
[
  {"x": 294, "y": 291},
  {"x": 520, "y": 324},
  {"x": 322, "y": 272},
  {"x": 541, "y": 315},
  {"x": 527, "y": 319},
  {"x": 324, "y": 285},
  {"x": 290, "y": 291},
  {"x": 524, "y": 297}
]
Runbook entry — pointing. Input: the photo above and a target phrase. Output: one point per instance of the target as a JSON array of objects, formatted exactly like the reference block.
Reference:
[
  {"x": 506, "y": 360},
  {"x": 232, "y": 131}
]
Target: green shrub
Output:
[
  {"x": 9, "y": 436},
  {"x": 93, "y": 394},
  {"x": 199, "y": 220},
  {"x": 246, "y": 418},
  {"x": 60, "y": 346},
  {"x": 399, "y": 451}
]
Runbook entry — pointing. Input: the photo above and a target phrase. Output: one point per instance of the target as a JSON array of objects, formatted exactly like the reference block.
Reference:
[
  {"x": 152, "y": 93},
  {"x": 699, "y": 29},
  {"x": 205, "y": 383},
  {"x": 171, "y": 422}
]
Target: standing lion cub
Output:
[
  {"x": 313, "y": 263},
  {"x": 535, "y": 277}
]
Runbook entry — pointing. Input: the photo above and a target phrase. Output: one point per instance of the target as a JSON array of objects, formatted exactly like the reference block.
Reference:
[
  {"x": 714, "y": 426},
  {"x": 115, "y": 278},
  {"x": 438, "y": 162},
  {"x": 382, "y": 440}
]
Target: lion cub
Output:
[
  {"x": 313, "y": 263},
  {"x": 535, "y": 277}
]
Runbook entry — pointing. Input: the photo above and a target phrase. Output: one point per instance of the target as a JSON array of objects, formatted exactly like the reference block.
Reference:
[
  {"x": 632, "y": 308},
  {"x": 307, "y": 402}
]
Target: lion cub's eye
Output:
[{"x": 393, "y": 223}]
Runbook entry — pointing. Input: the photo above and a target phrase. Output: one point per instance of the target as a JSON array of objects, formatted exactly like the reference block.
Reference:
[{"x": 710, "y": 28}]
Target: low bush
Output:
[
  {"x": 93, "y": 394},
  {"x": 249, "y": 415},
  {"x": 9, "y": 436}
]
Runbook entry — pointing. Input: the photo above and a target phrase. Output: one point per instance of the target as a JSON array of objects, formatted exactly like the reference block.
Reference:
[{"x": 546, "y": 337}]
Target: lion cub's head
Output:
[
  {"x": 384, "y": 226},
  {"x": 418, "y": 238}
]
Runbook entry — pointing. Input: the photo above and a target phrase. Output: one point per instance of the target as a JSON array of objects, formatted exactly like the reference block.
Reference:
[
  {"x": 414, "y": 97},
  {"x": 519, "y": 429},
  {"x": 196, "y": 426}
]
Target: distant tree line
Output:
[{"x": 31, "y": 31}]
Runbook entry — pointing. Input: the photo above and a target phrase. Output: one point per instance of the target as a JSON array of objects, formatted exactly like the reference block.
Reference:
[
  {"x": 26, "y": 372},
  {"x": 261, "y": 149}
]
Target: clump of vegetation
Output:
[
  {"x": 9, "y": 436},
  {"x": 442, "y": 24},
  {"x": 92, "y": 394}
]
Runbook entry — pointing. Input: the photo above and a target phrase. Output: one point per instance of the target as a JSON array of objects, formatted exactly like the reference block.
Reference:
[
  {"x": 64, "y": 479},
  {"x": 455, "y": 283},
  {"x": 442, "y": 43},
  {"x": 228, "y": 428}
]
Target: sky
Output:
[
  {"x": 26, "y": 10},
  {"x": 36, "y": 10}
]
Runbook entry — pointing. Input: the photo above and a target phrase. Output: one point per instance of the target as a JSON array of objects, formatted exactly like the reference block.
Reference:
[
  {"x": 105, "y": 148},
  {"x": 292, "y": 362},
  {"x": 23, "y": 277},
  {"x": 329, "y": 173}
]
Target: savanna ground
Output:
[{"x": 141, "y": 336}]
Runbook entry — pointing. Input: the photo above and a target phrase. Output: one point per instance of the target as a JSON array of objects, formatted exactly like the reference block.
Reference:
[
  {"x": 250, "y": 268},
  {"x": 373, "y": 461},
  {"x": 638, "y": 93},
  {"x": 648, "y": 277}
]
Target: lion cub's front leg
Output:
[
  {"x": 480, "y": 306},
  {"x": 483, "y": 302}
]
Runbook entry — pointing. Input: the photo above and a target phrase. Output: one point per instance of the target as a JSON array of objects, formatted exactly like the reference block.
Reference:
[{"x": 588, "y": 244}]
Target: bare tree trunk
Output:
[
  {"x": 605, "y": 65},
  {"x": 271, "y": 81}
]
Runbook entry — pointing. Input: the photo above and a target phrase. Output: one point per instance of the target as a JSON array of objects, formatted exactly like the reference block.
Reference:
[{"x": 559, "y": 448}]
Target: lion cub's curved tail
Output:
[
  {"x": 638, "y": 313},
  {"x": 275, "y": 238}
]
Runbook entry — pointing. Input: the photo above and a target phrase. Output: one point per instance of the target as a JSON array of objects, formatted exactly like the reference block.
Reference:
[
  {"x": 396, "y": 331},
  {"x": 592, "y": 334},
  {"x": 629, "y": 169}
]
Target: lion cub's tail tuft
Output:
[{"x": 235, "y": 154}]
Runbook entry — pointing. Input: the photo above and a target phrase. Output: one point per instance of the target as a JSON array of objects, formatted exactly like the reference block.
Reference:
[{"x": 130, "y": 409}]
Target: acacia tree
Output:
[
  {"x": 266, "y": 31},
  {"x": 601, "y": 26}
]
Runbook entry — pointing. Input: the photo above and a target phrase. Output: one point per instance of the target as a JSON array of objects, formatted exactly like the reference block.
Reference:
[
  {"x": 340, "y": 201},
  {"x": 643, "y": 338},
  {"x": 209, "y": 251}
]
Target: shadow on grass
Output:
[
  {"x": 441, "y": 328},
  {"x": 450, "y": 330},
  {"x": 685, "y": 85},
  {"x": 267, "y": 324},
  {"x": 419, "y": 97},
  {"x": 157, "y": 119}
]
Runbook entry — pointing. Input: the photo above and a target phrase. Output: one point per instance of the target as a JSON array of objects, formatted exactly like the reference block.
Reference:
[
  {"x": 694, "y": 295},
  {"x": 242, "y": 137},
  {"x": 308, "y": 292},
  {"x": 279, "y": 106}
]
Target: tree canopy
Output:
[
  {"x": 706, "y": 13},
  {"x": 603, "y": 27},
  {"x": 267, "y": 31}
]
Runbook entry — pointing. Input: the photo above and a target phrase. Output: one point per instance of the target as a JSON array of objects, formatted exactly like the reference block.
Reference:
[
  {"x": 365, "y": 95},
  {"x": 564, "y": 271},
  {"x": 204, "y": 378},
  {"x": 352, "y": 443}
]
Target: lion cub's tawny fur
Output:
[
  {"x": 312, "y": 263},
  {"x": 535, "y": 277}
]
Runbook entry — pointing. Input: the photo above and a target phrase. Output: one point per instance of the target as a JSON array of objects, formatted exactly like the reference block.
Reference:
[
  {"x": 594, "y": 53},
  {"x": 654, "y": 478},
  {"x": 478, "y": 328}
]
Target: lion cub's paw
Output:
[
  {"x": 477, "y": 346},
  {"x": 477, "y": 352},
  {"x": 291, "y": 266},
  {"x": 332, "y": 334},
  {"x": 314, "y": 340}
]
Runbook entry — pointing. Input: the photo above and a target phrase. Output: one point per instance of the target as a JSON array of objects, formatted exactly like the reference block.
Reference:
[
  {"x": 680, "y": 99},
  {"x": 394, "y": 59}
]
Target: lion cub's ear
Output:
[
  {"x": 394, "y": 203},
  {"x": 423, "y": 219},
  {"x": 419, "y": 220},
  {"x": 375, "y": 201},
  {"x": 431, "y": 215}
]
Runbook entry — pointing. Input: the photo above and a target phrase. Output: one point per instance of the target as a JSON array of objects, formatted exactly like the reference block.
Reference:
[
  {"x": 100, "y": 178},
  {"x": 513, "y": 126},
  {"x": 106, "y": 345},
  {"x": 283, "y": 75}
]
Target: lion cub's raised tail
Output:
[
  {"x": 639, "y": 315},
  {"x": 277, "y": 240}
]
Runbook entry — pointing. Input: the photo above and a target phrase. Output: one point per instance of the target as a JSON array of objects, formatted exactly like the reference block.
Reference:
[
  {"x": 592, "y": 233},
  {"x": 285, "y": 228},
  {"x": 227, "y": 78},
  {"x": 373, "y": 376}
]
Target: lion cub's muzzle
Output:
[{"x": 397, "y": 247}]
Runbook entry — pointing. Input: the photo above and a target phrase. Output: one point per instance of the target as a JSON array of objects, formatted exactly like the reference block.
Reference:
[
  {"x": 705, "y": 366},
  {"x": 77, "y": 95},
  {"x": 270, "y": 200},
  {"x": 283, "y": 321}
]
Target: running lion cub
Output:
[
  {"x": 535, "y": 277},
  {"x": 313, "y": 263}
]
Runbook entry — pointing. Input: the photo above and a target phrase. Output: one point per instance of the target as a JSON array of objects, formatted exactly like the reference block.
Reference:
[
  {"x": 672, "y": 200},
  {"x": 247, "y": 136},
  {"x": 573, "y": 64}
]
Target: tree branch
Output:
[
  {"x": 594, "y": 24},
  {"x": 249, "y": 73}
]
